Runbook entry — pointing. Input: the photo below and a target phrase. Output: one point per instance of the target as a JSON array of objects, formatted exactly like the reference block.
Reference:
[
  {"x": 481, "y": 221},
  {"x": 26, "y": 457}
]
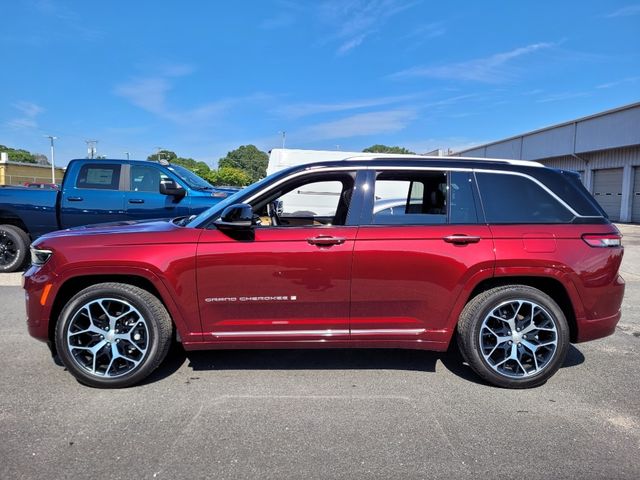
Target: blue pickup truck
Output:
[{"x": 97, "y": 191}]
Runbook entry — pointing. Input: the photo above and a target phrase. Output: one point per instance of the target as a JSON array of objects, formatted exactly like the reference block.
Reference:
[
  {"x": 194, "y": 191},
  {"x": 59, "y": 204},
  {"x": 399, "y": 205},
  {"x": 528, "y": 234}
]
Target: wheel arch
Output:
[
  {"x": 546, "y": 284},
  {"x": 8, "y": 218},
  {"x": 75, "y": 284}
]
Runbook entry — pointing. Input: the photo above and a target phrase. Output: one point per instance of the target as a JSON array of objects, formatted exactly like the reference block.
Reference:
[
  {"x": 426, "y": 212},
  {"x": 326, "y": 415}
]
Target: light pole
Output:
[
  {"x": 284, "y": 135},
  {"x": 53, "y": 161},
  {"x": 127, "y": 154}
]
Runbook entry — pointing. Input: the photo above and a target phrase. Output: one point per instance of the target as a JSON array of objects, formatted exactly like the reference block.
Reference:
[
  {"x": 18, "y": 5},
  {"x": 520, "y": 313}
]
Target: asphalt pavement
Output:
[{"x": 323, "y": 414}]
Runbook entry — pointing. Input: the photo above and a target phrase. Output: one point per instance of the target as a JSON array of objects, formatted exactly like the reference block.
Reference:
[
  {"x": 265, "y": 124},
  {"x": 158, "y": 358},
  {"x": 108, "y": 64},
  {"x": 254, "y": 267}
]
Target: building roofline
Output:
[
  {"x": 551, "y": 127},
  {"x": 27, "y": 164}
]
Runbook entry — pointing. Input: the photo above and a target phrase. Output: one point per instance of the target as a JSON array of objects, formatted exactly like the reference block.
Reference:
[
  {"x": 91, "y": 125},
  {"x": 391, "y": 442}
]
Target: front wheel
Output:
[
  {"x": 113, "y": 335},
  {"x": 513, "y": 336}
]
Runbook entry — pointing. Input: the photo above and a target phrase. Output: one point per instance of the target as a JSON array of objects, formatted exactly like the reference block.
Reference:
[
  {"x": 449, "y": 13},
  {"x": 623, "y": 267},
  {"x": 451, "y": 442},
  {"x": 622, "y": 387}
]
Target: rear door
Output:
[
  {"x": 96, "y": 196},
  {"x": 412, "y": 261}
]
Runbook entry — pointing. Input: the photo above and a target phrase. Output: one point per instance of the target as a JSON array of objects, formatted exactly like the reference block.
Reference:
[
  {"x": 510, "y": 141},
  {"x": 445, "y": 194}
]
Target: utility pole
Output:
[
  {"x": 53, "y": 161},
  {"x": 91, "y": 148},
  {"x": 284, "y": 135}
]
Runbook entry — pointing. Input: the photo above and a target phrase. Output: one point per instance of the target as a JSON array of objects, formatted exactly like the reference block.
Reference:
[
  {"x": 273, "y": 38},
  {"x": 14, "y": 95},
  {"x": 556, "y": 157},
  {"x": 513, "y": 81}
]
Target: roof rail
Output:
[{"x": 381, "y": 156}]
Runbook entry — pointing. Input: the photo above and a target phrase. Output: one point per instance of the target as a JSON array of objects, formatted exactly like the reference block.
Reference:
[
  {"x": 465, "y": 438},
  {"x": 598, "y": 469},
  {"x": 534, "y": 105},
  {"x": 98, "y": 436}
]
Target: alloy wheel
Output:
[
  {"x": 518, "y": 338},
  {"x": 108, "y": 337}
]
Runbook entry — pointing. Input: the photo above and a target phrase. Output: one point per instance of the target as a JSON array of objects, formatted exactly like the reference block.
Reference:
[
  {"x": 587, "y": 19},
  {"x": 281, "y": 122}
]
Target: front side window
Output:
[
  {"x": 510, "y": 198},
  {"x": 314, "y": 202},
  {"x": 96, "y": 176},
  {"x": 146, "y": 179},
  {"x": 423, "y": 198}
]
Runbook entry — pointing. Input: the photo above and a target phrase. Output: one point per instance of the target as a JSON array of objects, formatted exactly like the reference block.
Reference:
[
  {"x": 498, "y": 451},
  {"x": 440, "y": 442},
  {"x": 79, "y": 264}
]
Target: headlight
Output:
[{"x": 39, "y": 256}]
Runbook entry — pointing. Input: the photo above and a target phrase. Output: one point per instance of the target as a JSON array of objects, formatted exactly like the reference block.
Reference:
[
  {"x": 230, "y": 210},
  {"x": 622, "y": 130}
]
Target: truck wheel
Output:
[
  {"x": 14, "y": 246},
  {"x": 113, "y": 335},
  {"x": 513, "y": 336}
]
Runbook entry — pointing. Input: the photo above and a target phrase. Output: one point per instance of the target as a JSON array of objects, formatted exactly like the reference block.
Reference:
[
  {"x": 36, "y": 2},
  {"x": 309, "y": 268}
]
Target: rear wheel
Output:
[
  {"x": 113, "y": 335},
  {"x": 14, "y": 245},
  {"x": 513, "y": 336}
]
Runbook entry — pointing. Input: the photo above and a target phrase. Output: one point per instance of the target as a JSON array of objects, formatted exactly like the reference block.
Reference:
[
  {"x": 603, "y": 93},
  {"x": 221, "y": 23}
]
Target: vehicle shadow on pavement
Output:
[{"x": 329, "y": 359}]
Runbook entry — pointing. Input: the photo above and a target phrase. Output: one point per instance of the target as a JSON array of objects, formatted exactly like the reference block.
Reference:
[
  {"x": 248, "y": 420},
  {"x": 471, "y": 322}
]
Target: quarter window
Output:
[
  {"x": 515, "y": 199},
  {"x": 102, "y": 177}
]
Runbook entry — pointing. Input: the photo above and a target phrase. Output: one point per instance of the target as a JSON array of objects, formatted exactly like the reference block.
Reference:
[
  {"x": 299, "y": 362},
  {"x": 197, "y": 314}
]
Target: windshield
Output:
[
  {"x": 190, "y": 178},
  {"x": 237, "y": 197}
]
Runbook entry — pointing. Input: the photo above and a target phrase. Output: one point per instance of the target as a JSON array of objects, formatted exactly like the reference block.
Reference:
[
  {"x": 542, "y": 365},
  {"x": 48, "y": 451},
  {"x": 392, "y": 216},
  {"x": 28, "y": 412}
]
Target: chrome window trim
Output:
[{"x": 354, "y": 168}]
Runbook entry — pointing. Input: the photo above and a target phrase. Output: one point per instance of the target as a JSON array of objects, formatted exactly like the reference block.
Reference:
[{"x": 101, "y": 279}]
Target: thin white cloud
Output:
[
  {"x": 27, "y": 119},
  {"x": 616, "y": 83},
  {"x": 425, "y": 32},
  {"x": 362, "y": 124},
  {"x": 492, "y": 69},
  {"x": 299, "y": 110},
  {"x": 558, "y": 97},
  {"x": 352, "y": 21},
  {"x": 627, "y": 11},
  {"x": 279, "y": 20},
  {"x": 69, "y": 20},
  {"x": 151, "y": 94}
]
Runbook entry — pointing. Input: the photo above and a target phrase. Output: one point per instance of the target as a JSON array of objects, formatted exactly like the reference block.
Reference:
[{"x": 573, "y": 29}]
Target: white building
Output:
[{"x": 604, "y": 148}]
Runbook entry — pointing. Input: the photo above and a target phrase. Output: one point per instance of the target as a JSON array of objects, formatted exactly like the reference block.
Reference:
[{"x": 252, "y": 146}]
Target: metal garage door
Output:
[
  {"x": 607, "y": 188},
  {"x": 635, "y": 205}
]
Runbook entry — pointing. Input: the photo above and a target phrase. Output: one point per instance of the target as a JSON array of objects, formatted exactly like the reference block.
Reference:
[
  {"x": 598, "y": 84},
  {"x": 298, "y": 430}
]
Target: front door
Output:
[
  {"x": 143, "y": 199},
  {"x": 290, "y": 280}
]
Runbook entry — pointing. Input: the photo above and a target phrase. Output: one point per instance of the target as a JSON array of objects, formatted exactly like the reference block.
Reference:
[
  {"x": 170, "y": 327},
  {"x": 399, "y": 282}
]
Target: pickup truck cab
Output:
[
  {"x": 98, "y": 191},
  {"x": 518, "y": 259}
]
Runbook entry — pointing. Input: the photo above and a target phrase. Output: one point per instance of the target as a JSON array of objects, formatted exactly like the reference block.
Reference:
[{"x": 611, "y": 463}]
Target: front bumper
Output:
[{"x": 39, "y": 286}]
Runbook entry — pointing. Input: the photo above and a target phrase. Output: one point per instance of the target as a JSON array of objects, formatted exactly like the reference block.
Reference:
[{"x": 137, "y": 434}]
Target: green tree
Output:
[
  {"x": 378, "y": 148},
  {"x": 228, "y": 176},
  {"x": 18, "y": 155},
  {"x": 249, "y": 159}
]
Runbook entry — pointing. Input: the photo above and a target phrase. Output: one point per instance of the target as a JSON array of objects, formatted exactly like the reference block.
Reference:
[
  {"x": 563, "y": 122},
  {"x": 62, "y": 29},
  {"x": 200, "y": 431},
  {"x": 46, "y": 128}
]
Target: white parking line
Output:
[{"x": 10, "y": 279}]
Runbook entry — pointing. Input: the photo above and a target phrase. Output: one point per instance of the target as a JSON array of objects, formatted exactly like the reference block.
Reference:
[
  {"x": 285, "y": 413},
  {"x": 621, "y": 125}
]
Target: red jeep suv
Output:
[{"x": 513, "y": 259}]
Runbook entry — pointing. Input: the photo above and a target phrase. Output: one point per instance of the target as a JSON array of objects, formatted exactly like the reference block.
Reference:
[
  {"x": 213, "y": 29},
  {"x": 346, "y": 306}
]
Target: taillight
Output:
[{"x": 603, "y": 240}]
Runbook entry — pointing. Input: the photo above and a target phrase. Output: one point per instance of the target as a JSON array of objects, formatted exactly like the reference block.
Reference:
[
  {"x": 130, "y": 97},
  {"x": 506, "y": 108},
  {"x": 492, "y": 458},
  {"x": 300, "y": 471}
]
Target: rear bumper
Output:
[{"x": 597, "y": 328}]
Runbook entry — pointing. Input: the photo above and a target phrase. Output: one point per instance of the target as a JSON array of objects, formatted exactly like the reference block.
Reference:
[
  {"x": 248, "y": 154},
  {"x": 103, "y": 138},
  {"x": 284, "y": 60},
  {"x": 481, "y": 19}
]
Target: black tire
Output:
[
  {"x": 471, "y": 323},
  {"x": 14, "y": 247},
  {"x": 158, "y": 333}
]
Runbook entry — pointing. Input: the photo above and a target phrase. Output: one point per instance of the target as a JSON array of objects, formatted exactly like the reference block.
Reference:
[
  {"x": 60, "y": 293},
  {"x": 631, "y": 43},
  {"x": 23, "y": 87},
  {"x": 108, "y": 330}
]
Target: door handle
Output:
[
  {"x": 136, "y": 200},
  {"x": 325, "y": 241},
  {"x": 74, "y": 199},
  {"x": 459, "y": 239}
]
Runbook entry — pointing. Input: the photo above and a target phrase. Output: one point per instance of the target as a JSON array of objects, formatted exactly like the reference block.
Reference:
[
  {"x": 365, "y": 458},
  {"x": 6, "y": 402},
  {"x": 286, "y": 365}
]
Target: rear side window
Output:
[
  {"x": 424, "y": 198},
  {"x": 515, "y": 199},
  {"x": 103, "y": 177}
]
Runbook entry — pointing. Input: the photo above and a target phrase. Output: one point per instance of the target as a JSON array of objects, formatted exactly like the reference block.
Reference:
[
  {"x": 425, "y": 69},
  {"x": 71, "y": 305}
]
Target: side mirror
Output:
[
  {"x": 236, "y": 217},
  {"x": 169, "y": 187}
]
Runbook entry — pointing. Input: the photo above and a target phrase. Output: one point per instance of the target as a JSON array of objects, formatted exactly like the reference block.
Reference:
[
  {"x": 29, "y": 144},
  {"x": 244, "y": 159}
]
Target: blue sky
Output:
[{"x": 203, "y": 77}]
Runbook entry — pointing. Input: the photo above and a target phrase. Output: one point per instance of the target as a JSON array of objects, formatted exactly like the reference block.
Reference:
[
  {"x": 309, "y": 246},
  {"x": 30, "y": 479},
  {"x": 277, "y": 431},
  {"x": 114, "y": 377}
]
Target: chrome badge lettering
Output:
[{"x": 270, "y": 298}]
